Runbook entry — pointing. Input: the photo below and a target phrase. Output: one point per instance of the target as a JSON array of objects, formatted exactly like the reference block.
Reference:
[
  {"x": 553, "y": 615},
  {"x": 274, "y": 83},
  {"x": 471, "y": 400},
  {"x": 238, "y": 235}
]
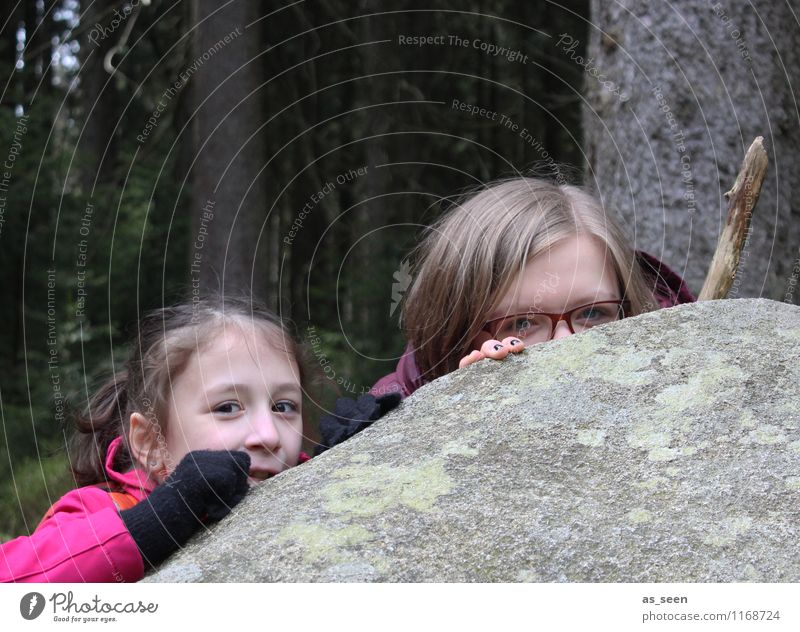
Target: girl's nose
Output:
[
  {"x": 562, "y": 330},
  {"x": 264, "y": 433}
]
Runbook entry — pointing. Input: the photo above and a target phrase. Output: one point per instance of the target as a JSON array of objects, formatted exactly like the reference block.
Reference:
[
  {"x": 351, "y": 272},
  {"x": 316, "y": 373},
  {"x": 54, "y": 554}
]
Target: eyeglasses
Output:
[{"x": 533, "y": 327}]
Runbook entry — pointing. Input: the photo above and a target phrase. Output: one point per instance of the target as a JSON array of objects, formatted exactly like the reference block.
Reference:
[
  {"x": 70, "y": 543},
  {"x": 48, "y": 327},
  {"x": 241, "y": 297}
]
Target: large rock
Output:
[{"x": 664, "y": 448}]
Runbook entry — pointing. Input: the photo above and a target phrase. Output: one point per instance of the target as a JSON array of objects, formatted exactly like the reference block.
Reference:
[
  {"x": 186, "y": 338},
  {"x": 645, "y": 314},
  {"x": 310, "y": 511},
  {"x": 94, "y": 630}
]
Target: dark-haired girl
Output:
[{"x": 207, "y": 405}]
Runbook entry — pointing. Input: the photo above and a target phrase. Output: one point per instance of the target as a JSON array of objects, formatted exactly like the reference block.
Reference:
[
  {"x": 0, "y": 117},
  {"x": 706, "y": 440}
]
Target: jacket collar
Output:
[{"x": 135, "y": 481}]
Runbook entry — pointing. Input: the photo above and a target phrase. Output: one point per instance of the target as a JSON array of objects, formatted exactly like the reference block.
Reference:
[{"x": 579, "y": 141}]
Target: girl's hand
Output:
[
  {"x": 350, "y": 417},
  {"x": 203, "y": 488},
  {"x": 493, "y": 349}
]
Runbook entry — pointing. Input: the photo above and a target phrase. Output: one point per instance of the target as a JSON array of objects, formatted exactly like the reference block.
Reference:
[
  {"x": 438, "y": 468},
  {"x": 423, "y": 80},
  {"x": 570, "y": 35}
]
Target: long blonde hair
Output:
[{"x": 468, "y": 259}]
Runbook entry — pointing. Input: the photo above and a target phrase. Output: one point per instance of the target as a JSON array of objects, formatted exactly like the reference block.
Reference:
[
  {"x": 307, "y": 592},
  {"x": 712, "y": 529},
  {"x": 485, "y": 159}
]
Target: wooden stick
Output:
[{"x": 742, "y": 199}]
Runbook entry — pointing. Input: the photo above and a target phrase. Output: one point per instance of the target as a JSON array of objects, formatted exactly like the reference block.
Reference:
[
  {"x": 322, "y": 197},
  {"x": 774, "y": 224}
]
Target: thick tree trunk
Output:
[
  {"x": 99, "y": 102},
  {"x": 228, "y": 245},
  {"x": 676, "y": 94}
]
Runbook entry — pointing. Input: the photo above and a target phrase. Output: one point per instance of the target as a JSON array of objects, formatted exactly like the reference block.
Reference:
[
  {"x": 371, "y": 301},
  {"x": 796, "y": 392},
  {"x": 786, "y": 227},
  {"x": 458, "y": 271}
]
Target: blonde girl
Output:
[{"x": 519, "y": 262}]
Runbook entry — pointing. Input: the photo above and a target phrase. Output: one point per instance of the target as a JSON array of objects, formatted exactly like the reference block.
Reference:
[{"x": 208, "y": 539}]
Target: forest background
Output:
[{"x": 296, "y": 150}]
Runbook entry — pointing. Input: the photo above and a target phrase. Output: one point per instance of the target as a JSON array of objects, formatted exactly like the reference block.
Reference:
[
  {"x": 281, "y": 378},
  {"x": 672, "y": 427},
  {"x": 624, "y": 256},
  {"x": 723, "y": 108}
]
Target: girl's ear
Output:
[{"x": 145, "y": 451}]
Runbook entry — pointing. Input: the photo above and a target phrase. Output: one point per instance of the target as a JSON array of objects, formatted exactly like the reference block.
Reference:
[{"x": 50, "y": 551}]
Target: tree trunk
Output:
[
  {"x": 228, "y": 246},
  {"x": 99, "y": 102},
  {"x": 686, "y": 89}
]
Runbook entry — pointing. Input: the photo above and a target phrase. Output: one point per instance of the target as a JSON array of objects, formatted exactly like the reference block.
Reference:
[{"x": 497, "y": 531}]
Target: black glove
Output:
[
  {"x": 203, "y": 488},
  {"x": 350, "y": 417}
]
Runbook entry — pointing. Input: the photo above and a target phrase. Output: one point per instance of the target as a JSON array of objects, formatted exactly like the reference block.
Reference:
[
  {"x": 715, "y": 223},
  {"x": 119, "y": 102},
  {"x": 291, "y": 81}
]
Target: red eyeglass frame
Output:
[{"x": 557, "y": 318}]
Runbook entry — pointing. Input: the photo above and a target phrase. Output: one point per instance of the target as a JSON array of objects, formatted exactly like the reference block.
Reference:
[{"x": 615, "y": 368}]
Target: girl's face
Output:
[
  {"x": 575, "y": 271},
  {"x": 238, "y": 394}
]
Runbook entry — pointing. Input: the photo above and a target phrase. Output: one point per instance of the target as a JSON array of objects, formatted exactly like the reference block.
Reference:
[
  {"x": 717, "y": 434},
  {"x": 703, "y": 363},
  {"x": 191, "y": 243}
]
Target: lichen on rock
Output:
[{"x": 663, "y": 448}]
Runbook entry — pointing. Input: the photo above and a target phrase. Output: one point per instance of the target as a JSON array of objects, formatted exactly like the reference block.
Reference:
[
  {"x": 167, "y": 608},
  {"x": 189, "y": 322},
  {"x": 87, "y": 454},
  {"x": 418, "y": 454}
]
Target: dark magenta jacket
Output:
[{"x": 669, "y": 289}]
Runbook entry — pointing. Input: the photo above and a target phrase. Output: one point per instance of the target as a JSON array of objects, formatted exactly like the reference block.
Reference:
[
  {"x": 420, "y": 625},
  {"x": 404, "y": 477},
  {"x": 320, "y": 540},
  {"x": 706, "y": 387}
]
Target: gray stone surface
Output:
[{"x": 665, "y": 448}]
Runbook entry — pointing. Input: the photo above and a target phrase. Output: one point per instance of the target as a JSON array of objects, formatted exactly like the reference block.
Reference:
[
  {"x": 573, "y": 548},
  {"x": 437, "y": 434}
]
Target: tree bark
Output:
[
  {"x": 676, "y": 93},
  {"x": 228, "y": 250},
  {"x": 98, "y": 98}
]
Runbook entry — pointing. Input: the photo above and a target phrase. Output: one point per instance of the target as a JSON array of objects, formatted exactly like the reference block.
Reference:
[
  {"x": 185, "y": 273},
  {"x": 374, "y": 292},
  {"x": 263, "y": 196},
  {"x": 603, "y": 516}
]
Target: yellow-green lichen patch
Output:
[
  {"x": 747, "y": 419},
  {"x": 793, "y": 482},
  {"x": 662, "y": 454},
  {"x": 726, "y": 532},
  {"x": 381, "y": 564},
  {"x": 591, "y": 437},
  {"x": 640, "y": 515},
  {"x": 361, "y": 458},
  {"x": 766, "y": 435},
  {"x": 649, "y": 435},
  {"x": 752, "y": 574},
  {"x": 459, "y": 447},
  {"x": 651, "y": 484},
  {"x": 507, "y": 395},
  {"x": 627, "y": 368},
  {"x": 700, "y": 390},
  {"x": 575, "y": 354},
  {"x": 794, "y": 446},
  {"x": 367, "y": 490},
  {"x": 320, "y": 542},
  {"x": 528, "y": 575},
  {"x": 792, "y": 334},
  {"x": 656, "y": 439}
]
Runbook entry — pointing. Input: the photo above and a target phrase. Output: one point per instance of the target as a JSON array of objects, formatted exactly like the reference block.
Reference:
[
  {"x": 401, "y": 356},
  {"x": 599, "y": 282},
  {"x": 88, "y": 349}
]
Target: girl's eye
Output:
[
  {"x": 285, "y": 407},
  {"x": 599, "y": 312},
  {"x": 228, "y": 408},
  {"x": 521, "y": 324}
]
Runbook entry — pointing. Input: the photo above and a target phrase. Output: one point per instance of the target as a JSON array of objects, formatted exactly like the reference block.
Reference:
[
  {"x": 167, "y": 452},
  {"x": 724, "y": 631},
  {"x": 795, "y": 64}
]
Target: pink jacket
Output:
[
  {"x": 669, "y": 290},
  {"x": 84, "y": 540}
]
